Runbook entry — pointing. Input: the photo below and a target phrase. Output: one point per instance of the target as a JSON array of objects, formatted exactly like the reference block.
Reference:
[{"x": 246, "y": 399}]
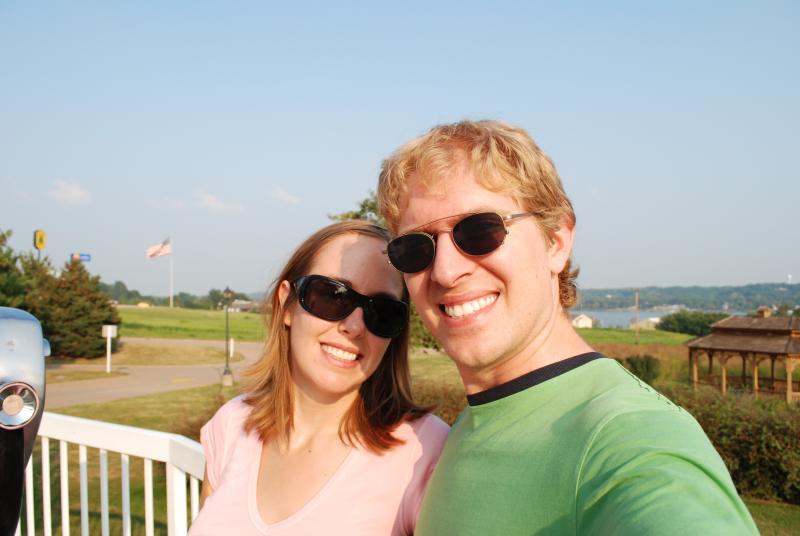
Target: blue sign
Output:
[{"x": 83, "y": 257}]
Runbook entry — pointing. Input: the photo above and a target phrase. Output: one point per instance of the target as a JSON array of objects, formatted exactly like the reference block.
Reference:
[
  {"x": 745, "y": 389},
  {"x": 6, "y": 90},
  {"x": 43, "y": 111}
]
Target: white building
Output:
[{"x": 583, "y": 321}]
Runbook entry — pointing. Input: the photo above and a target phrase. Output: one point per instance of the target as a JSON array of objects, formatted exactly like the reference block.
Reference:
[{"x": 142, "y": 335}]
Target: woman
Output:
[{"x": 326, "y": 438}]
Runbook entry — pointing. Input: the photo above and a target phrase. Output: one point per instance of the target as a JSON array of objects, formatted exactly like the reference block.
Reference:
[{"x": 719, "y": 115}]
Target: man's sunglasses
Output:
[
  {"x": 474, "y": 234},
  {"x": 332, "y": 300}
]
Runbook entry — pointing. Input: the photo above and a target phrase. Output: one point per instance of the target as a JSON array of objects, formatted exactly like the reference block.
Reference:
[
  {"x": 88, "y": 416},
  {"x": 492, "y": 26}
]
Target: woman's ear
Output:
[{"x": 284, "y": 289}]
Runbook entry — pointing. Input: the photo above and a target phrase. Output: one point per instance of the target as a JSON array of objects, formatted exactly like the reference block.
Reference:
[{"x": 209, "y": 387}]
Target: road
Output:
[{"x": 145, "y": 379}]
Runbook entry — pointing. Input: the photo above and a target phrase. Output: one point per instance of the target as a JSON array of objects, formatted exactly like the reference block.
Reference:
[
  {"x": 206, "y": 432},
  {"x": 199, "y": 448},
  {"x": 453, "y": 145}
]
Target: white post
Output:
[
  {"x": 230, "y": 349},
  {"x": 108, "y": 354},
  {"x": 109, "y": 330},
  {"x": 176, "y": 501},
  {"x": 171, "y": 280}
]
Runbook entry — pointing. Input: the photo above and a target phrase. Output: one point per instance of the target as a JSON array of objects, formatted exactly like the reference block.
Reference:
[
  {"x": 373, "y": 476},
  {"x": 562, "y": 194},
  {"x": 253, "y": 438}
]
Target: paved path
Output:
[{"x": 145, "y": 379}]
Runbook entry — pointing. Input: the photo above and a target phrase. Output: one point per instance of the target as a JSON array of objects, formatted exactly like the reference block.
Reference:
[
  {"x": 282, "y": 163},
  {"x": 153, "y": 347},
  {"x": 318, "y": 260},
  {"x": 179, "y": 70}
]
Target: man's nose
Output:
[{"x": 450, "y": 264}]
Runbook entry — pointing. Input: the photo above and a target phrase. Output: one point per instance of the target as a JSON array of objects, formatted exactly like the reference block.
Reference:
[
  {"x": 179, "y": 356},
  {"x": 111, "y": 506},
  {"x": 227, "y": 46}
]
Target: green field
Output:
[
  {"x": 188, "y": 324},
  {"x": 628, "y": 336}
]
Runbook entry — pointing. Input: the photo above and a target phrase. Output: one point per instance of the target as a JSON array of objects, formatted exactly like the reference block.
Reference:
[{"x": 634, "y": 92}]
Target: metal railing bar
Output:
[
  {"x": 148, "y": 497},
  {"x": 29, "y": 498},
  {"x": 176, "y": 501},
  {"x": 159, "y": 446},
  {"x": 104, "y": 492},
  {"x": 64, "y": 470},
  {"x": 126, "y": 494},
  {"x": 46, "y": 518},
  {"x": 84, "y": 490},
  {"x": 194, "y": 491}
]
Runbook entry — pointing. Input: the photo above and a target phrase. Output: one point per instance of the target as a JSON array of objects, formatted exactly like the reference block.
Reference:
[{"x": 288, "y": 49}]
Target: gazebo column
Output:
[
  {"x": 693, "y": 371},
  {"x": 723, "y": 361},
  {"x": 744, "y": 368},
  {"x": 772, "y": 373},
  {"x": 790, "y": 363},
  {"x": 754, "y": 362}
]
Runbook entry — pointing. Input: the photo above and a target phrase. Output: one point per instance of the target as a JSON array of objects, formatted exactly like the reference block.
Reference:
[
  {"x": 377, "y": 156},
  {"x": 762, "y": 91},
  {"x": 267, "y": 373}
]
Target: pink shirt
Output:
[{"x": 368, "y": 494}]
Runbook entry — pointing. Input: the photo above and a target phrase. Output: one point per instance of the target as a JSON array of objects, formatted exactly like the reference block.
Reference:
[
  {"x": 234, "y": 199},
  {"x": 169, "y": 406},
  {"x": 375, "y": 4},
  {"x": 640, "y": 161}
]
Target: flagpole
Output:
[{"x": 171, "y": 279}]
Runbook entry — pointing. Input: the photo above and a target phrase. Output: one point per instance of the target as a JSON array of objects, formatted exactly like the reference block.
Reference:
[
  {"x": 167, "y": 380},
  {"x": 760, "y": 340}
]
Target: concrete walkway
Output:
[{"x": 145, "y": 379}]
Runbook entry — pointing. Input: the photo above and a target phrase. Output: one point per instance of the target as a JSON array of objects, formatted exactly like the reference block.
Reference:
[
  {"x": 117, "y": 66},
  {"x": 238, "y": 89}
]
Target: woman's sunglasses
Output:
[
  {"x": 332, "y": 300},
  {"x": 474, "y": 234}
]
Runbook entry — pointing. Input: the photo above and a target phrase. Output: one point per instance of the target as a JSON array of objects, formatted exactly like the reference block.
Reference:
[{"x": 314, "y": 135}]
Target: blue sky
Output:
[{"x": 235, "y": 128}]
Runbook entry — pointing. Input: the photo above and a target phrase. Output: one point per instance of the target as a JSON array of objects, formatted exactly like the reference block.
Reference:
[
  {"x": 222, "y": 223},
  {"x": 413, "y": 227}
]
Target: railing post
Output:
[
  {"x": 176, "y": 501},
  {"x": 46, "y": 518}
]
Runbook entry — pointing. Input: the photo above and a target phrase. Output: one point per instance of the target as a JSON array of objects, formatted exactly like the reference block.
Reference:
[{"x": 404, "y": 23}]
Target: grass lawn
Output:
[
  {"x": 776, "y": 519},
  {"x": 156, "y": 354},
  {"x": 59, "y": 376},
  {"x": 188, "y": 324},
  {"x": 628, "y": 336}
]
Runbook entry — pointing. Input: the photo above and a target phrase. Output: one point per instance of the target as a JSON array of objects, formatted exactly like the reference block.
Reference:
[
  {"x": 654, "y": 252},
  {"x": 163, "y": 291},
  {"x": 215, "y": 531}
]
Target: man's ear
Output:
[
  {"x": 561, "y": 246},
  {"x": 283, "y": 294}
]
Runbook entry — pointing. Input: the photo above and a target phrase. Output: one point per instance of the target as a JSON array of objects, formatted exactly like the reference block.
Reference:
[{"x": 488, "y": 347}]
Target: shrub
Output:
[
  {"x": 420, "y": 336},
  {"x": 645, "y": 367},
  {"x": 759, "y": 440},
  {"x": 695, "y": 323}
]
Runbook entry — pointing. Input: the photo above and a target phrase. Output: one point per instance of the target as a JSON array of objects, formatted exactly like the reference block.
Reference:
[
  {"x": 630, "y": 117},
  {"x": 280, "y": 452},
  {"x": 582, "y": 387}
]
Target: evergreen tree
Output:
[
  {"x": 77, "y": 310},
  {"x": 12, "y": 283},
  {"x": 40, "y": 284}
]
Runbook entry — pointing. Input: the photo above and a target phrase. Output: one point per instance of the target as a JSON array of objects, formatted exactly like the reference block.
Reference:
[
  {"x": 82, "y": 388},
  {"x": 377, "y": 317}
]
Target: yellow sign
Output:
[{"x": 39, "y": 239}]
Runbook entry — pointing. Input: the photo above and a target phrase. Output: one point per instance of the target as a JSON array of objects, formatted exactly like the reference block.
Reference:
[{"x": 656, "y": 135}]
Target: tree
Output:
[
  {"x": 12, "y": 283},
  {"x": 367, "y": 210},
  {"x": 695, "y": 323},
  {"x": 40, "y": 285},
  {"x": 76, "y": 311}
]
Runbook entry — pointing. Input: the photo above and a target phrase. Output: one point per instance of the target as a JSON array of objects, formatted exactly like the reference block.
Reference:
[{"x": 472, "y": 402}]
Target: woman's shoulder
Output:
[{"x": 232, "y": 413}]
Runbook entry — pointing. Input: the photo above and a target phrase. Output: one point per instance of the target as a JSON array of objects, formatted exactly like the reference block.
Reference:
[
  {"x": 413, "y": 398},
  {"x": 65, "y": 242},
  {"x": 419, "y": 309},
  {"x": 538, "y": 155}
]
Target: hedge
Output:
[{"x": 759, "y": 440}]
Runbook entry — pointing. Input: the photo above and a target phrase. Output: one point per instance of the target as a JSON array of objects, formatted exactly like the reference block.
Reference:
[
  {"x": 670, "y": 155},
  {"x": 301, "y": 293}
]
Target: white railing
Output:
[{"x": 180, "y": 455}]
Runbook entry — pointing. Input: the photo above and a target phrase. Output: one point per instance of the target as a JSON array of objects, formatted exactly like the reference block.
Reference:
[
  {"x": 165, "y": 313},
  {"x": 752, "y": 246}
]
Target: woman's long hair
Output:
[{"x": 383, "y": 400}]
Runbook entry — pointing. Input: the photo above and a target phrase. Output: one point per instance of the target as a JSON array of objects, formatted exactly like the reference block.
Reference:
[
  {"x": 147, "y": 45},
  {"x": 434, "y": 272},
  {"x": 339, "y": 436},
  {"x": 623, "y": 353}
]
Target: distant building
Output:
[
  {"x": 244, "y": 306},
  {"x": 583, "y": 321},
  {"x": 645, "y": 324}
]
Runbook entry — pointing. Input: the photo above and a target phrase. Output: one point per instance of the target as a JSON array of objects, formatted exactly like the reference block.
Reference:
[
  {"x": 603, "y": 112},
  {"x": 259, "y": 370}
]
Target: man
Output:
[{"x": 557, "y": 439}]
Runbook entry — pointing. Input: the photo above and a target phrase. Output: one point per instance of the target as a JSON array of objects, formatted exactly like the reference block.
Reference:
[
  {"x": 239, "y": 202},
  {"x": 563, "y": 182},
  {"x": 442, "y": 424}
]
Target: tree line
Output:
[
  {"x": 120, "y": 293},
  {"x": 783, "y": 297}
]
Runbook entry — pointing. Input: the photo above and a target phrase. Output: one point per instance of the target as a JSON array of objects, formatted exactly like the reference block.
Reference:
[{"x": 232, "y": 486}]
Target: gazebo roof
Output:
[
  {"x": 774, "y": 335},
  {"x": 777, "y": 324}
]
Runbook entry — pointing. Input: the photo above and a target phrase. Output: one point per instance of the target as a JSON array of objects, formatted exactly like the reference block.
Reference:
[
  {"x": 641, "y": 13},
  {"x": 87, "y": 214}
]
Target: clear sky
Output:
[{"x": 234, "y": 127}]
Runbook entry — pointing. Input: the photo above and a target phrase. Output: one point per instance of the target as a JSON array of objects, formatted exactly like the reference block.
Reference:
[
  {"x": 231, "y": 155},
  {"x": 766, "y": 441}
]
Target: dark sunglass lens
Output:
[
  {"x": 386, "y": 317},
  {"x": 411, "y": 253},
  {"x": 328, "y": 299},
  {"x": 479, "y": 234}
]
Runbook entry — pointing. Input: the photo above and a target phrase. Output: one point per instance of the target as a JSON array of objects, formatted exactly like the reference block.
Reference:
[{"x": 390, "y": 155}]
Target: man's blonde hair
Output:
[{"x": 502, "y": 157}]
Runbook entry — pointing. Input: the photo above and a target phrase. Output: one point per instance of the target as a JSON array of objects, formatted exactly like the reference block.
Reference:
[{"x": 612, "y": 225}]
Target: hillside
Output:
[{"x": 741, "y": 298}]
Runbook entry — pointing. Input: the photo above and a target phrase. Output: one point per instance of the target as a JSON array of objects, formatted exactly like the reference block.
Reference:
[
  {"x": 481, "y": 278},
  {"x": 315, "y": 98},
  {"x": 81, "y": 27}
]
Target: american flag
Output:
[{"x": 159, "y": 250}]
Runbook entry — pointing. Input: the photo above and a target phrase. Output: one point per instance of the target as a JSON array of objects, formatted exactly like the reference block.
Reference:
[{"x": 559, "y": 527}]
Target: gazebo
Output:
[{"x": 754, "y": 340}]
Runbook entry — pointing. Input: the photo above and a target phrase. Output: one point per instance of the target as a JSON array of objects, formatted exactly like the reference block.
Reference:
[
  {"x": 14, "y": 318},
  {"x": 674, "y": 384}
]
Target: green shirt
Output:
[{"x": 579, "y": 447}]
